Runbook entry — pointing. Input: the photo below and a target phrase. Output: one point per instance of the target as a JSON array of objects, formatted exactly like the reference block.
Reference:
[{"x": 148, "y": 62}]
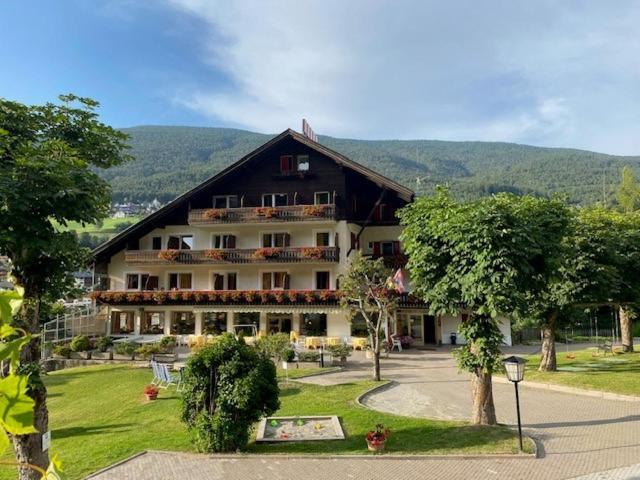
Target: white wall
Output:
[{"x": 451, "y": 324}]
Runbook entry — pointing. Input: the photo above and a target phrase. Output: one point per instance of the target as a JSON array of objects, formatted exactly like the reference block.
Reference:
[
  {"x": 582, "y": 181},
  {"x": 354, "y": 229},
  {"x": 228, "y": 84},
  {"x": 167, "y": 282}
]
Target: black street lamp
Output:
[{"x": 515, "y": 373}]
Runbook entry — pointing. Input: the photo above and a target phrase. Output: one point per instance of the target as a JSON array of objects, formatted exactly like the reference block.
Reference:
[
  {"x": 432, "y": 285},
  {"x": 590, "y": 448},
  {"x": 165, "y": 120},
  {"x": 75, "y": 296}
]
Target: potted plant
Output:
[
  {"x": 148, "y": 350},
  {"x": 266, "y": 212},
  {"x": 151, "y": 392},
  {"x": 376, "y": 439},
  {"x": 103, "y": 348},
  {"x": 80, "y": 347},
  {"x": 340, "y": 353},
  {"x": 315, "y": 253},
  {"x": 125, "y": 351}
]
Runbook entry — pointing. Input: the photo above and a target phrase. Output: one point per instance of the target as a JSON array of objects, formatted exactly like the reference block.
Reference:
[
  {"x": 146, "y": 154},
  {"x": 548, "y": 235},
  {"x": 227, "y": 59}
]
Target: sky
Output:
[{"x": 550, "y": 73}]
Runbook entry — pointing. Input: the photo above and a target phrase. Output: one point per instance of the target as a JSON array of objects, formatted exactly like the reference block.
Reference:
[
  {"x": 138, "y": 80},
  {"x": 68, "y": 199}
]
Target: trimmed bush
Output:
[
  {"x": 103, "y": 343},
  {"x": 340, "y": 351},
  {"x": 167, "y": 344},
  {"x": 126, "y": 348},
  {"x": 308, "y": 356},
  {"x": 289, "y": 355},
  {"x": 274, "y": 346},
  {"x": 148, "y": 350},
  {"x": 63, "y": 350},
  {"x": 80, "y": 344},
  {"x": 228, "y": 387}
]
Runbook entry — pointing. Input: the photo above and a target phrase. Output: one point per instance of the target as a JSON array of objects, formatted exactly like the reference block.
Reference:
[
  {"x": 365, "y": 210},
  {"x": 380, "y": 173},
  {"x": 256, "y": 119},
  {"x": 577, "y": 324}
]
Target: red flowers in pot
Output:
[
  {"x": 376, "y": 439},
  {"x": 151, "y": 392}
]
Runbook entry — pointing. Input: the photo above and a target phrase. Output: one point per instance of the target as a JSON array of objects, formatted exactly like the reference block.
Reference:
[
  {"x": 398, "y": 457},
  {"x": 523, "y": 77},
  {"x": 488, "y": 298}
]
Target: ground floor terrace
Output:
[{"x": 303, "y": 314}]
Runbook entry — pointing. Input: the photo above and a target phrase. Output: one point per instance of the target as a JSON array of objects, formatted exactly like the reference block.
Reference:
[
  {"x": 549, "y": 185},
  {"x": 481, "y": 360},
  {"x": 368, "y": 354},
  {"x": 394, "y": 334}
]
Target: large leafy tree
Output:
[
  {"x": 484, "y": 258},
  {"x": 48, "y": 156},
  {"x": 628, "y": 193},
  {"x": 365, "y": 291}
]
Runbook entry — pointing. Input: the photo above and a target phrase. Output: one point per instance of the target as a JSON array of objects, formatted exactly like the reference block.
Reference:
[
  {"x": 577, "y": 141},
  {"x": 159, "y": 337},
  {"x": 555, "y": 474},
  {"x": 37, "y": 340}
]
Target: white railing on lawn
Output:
[{"x": 82, "y": 321}]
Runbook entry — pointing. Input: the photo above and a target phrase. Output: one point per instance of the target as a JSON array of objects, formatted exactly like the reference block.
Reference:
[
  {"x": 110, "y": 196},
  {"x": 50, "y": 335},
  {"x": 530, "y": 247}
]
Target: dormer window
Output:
[
  {"x": 290, "y": 164},
  {"x": 302, "y": 162}
]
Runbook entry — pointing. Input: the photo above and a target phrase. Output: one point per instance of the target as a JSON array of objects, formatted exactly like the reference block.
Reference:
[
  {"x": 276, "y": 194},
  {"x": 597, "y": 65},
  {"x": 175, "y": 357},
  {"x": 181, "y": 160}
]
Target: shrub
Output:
[
  {"x": 126, "y": 348},
  {"x": 273, "y": 346},
  {"x": 308, "y": 356},
  {"x": 147, "y": 350},
  {"x": 227, "y": 387},
  {"x": 340, "y": 351},
  {"x": 167, "y": 343},
  {"x": 288, "y": 355},
  {"x": 80, "y": 344},
  {"x": 103, "y": 343},
  {"x": 63, "y": 350}
]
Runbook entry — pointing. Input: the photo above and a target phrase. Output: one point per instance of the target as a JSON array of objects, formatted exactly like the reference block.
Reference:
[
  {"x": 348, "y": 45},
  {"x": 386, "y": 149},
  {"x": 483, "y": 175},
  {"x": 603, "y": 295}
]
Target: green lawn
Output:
[
  {"x": 99, "y": 416},
  {"x": 619, "y": 373},
  {"x": 293, "y": 373}
]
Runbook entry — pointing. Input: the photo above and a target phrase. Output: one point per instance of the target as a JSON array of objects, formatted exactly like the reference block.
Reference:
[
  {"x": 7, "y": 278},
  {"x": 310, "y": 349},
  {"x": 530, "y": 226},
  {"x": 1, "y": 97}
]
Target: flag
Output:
[{"x": 398, "y": 281}]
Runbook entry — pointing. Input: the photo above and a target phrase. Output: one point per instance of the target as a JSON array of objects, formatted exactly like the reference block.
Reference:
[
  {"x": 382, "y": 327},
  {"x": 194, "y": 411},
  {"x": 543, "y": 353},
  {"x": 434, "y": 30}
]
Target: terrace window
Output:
[
  {"x": 225, "y": 201},
  {"x": 322, "y": 198},
  {"x": 281, "y": 239},
  {"x": 180, "y": 281},
  {"x": 275, "y": 200},
  {"x": 225, "y": 281},
  {"x": 322, "y": 239},
  {"x": 223, "y": 241},
  {"x": 183, "y": 323},
  {"x": 152, "y": 323},
  {"x": 214, "y": 323},
  {"x": 180, "y": 242},
  {"x": 275, "y": 281},
  {"x": 156, "y": 243},
  {"x": 322, "y": 281},
  {"x": 121, "y": 323}
]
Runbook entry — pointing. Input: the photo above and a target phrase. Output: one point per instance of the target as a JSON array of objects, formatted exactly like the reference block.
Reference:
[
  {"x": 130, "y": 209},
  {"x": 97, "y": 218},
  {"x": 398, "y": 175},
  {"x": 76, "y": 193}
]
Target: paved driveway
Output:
[{"x": 579, "y": 435}]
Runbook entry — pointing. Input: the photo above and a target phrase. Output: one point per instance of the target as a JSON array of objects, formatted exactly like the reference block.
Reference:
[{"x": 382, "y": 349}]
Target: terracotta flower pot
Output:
[
  {"x": 151, "y": 396},
  {"x": 376, "y": 445}
]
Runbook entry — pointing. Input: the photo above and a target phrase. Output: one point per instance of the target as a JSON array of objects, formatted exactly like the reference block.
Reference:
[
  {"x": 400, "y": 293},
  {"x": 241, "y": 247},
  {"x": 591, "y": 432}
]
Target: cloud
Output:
[{"x": 544, "y": 72}]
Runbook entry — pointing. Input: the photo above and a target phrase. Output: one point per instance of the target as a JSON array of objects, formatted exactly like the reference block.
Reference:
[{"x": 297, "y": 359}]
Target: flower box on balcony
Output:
[
  {"x": 215, "y": 214},
  {"x": 169, "y": 255},
  {"x": 215, "y": 254},
  {"x": 266, "y": 253},
  {"x": 313, "y": 252},
  {"x": 267, "y": 212},
  {"x": 314, "y": 210}
]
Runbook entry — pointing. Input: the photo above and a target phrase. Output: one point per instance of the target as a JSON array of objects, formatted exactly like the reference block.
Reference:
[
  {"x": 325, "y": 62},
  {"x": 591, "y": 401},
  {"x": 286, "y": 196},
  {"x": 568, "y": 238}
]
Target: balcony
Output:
[
  {"x": 233, "y": 255},
  {"x": 291, "y": 213},
  {"x": 396, "y": 260}
]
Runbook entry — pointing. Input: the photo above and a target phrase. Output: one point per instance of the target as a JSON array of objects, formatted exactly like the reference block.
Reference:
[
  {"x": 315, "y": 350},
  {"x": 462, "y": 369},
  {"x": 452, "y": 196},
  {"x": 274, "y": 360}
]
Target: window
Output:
[
  {"x": 156, "y": 243},
  {"x": 278, "y": 323},
  {"x": 280, "y": 239},
  {"x": 275, "y": 281},
  {"x": 359, "y": 326},
  {"x": 225, "y": 281},
  {"x": 275, "y": 200},
  {"x": 246, "y": 318},
  {"x": 152, "y": 323},
  {"x": 314, "y": 324},
  {"x": 183, "y": 323},
  {"x": 302, "y": 163},
  {"x": 322, "y": 280},
  {"x": 121, "y": 322},
  {"x": 286, "y": 164},
  {"x": 225, "y": 201},
  {"x": 322, "y": 198},
  {"x": 180, "y": 242},
  {"x": 379, "y": 212},
  {"x": 388, "y": 247},
  {"x": 180, "y": 281},
  {"x": 141, "y": 281},
  {"x": 214, "y": 323},
  {"x": 223, "y": 241},
  {"x": 322, "y": 239}
]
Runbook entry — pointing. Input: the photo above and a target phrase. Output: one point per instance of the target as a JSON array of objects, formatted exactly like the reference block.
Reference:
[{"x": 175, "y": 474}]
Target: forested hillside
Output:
[{"x": 170, "y": 160}]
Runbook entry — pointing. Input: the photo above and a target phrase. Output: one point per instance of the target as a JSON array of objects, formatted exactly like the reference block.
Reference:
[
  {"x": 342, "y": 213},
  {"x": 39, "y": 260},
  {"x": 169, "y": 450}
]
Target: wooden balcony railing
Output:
[
  {"x": 233, "y": 255},
  {"x": 291, "y": 213}
]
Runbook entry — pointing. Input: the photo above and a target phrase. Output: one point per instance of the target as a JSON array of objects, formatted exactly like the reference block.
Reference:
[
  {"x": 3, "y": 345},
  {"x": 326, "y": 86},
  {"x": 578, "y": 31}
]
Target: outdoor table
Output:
[
  {"x": 313, "y": 342},
  {"x": 333, "y": 341},
  {"x": 359, "y": 342}
]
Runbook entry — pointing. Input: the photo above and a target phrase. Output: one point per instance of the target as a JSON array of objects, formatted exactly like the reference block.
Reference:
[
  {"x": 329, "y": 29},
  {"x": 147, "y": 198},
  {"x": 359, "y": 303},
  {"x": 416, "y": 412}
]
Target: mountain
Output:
[{"x": 170, "y": 160}]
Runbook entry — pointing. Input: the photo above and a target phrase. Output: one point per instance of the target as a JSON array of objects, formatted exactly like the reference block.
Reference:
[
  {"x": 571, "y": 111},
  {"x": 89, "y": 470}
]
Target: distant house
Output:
[{"x": 262, "y": 243}]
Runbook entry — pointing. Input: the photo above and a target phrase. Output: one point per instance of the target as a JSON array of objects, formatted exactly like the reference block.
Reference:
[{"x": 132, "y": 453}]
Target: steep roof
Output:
[{"x": 142, "y": 226}]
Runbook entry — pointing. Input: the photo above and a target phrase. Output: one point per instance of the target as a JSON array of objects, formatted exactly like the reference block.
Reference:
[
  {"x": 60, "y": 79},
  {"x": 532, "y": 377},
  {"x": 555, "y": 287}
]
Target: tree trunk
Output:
[
  {"x": 548, "y": 358},
  {"x": 376, "y": 355},
  {"x": 28, "y": 448},
  {"x": 484, "y": 411},
  {"x": 626, "y": 330}
]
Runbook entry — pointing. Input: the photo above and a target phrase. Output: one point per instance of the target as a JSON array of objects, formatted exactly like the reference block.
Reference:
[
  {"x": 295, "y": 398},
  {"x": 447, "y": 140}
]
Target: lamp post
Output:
[{"x": 514, "y": 367}]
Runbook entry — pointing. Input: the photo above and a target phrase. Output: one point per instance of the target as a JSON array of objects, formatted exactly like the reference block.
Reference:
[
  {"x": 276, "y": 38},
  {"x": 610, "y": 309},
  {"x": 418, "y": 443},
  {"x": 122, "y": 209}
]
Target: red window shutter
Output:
[
  {"x": 396, "y": 247},
  {"x": 231, "y": 241},
  {"x": 376, "y": 248},
  {"x": 285, "y": 163}
]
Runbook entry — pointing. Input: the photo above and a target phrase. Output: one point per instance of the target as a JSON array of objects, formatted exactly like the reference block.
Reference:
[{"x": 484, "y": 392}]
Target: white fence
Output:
[{"x": 83, "y": 321}]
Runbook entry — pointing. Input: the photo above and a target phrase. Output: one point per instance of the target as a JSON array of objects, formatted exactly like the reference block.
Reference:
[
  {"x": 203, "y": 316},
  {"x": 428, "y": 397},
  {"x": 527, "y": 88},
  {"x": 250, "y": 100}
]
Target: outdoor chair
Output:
[
  {"x": 169, "y": 378},
  {"x": 157, "y": 376},
  {"x": 606, "y": 347},
  {"x": 395, "y": 343}
]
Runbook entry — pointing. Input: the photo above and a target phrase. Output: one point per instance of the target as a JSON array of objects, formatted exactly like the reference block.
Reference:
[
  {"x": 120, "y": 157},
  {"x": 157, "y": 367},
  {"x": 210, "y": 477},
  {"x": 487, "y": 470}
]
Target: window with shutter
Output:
[
  {"x": 396, "y": 247},
  {"x": 286, "y": 163},
  {"x": 232, "y": 281},
  {"x": 266, "y": 281},
  {"x": 376, "y": 248}
]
